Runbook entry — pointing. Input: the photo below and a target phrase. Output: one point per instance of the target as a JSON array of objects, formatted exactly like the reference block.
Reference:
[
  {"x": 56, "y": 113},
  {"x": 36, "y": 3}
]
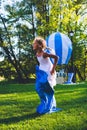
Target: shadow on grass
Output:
[
  {"x": 19, "y": 118},
  {"x": 66, "y": 105},
  {"x": 16, "y": 88},
  {"x": 6, "y": 88}
]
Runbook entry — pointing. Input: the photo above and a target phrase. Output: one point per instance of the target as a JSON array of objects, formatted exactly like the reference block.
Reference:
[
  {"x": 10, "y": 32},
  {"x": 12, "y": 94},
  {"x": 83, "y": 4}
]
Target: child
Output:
[{"x": 45, "y": 77}]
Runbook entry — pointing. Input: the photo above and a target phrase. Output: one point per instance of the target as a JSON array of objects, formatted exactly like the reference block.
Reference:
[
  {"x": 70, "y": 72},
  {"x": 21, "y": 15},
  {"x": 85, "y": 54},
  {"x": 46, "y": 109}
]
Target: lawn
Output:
[{"x": 18, "y": 105}]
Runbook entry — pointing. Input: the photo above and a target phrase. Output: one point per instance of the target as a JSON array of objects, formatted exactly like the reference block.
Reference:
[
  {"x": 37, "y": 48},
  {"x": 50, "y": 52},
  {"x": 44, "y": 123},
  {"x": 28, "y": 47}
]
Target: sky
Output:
[{"x": 4, "y": 2}]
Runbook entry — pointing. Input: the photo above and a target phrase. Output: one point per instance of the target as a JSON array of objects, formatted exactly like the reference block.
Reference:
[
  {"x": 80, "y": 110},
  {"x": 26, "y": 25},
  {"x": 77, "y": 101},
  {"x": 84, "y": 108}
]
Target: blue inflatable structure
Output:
[{"x": 62, "y": 46}]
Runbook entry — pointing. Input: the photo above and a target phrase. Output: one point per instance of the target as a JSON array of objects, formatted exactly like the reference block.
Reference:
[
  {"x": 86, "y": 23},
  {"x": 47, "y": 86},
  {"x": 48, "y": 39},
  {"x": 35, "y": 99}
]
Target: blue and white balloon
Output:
[{"x": 62, "y": 46}]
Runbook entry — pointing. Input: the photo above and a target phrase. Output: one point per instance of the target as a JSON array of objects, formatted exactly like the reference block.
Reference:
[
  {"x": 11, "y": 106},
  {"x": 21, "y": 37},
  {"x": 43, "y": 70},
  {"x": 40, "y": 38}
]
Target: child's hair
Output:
[{"x": 40, "y": 41}]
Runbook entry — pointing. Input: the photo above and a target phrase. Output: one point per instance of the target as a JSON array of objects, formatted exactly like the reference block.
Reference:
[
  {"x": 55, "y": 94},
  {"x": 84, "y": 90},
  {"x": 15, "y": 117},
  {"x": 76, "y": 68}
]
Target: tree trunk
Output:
[
  {"x": 20, "y": 77},
  {"x": 16, "y": 64},
  {"x": 80, "y": 76},
  {"x": 10, "y": 54}
]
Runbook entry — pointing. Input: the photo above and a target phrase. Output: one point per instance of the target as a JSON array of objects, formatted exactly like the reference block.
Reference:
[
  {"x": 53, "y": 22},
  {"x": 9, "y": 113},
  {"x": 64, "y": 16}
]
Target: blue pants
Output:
[{"x": 45, "y": 92}]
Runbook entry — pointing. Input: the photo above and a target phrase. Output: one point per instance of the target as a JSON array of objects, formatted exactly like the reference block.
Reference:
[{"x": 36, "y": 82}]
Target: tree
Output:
[
  {"x": 26, "y": 19},
  {"x": 64, "y": 16},
  {"x": 42, "y": 17},
  {"x": 22, "y": 39}
]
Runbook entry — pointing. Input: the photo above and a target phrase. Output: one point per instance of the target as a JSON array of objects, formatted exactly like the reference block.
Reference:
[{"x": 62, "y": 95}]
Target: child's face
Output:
[{"x": 35, "y": 45}]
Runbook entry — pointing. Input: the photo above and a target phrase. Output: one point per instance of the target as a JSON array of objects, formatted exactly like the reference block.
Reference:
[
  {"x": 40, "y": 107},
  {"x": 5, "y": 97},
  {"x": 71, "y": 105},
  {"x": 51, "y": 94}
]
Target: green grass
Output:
[{"x": 18, "y": 105}]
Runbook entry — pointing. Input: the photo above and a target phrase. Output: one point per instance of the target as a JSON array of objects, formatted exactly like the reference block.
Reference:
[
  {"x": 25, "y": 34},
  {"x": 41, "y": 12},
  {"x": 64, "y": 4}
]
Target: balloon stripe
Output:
[
  {"x": 51, "y": 40},
  {"x": 62, "y": 46},
  {"x": 69, "y": 50},
  {"x": 58, "y": 46},
  {"x": 69, "y": 55}
]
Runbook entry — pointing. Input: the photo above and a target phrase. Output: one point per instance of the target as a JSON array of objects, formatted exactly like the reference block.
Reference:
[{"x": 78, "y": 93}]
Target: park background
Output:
[{"x": 20, "y": 22}]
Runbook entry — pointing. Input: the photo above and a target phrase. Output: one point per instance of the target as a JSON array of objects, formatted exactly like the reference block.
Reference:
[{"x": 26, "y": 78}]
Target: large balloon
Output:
[{"x": 62, "y": 46}]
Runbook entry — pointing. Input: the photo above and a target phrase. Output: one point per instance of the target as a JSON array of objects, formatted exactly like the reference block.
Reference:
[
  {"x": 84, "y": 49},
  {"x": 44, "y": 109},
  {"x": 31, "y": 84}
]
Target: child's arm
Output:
[{"x": 55, "y": 60}]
